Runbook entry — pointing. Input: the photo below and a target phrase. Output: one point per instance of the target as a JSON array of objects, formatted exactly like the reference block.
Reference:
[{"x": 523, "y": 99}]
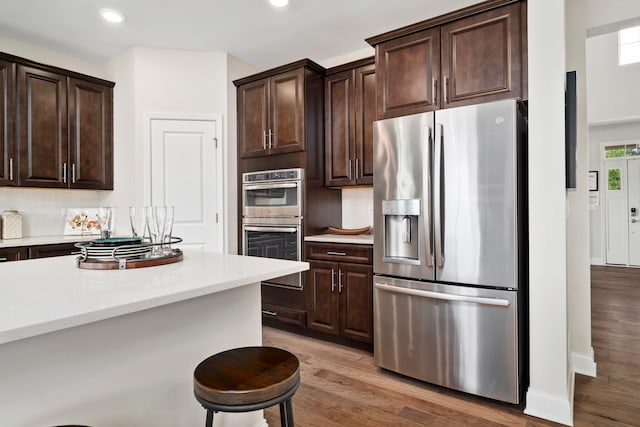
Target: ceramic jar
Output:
[{"x": 11, "y": 224}]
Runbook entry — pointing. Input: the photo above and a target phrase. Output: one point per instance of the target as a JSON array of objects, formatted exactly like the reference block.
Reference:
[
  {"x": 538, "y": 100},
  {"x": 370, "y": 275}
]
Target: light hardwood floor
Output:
[{"x": 342, "y": 387}]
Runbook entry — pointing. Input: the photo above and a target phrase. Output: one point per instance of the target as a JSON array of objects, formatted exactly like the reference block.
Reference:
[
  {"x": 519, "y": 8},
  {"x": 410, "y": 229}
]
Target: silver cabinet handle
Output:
[
  {"x": 442, "y": 296},
  {"x": 269, "y": 313},
  {"x": 3, "y": 259},
  {"x": 336, "y": 253},
  {"x": 11, "y": 169},
  {"x": 264, "y": 140},
  {"x": 357, "y": 169},
  {"x": 73, "y": 173},
  {"x": 446, "y": 89},
  {"x": 340, "y": 281},
  {"x": 64, "y": 173},
  {"x": 434, "y": 85},
  {"x": 270, "y": 139},
  {"x": 349, "y": 168},
  {"x": 333, "y": 280}
]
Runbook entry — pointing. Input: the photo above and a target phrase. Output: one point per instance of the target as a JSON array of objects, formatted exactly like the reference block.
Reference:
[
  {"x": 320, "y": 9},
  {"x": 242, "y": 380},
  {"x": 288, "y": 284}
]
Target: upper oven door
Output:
[{"x": 273, "y": 199}]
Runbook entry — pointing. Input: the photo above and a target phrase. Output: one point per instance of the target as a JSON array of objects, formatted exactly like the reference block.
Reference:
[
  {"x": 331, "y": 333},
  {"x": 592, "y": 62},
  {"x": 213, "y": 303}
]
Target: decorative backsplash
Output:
[{"x": 357, "y": 207}]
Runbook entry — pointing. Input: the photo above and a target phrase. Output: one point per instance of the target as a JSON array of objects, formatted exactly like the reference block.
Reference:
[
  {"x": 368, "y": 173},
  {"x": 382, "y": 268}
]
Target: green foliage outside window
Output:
[
  {"x": 615, "y": 152},
  {"x": 614, "y": 179}
]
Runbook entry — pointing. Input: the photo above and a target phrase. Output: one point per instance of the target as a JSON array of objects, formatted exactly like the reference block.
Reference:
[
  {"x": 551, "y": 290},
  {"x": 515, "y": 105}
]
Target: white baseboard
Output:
[
  {"x": 584, "y": 363},
  {"x": 553, "y": 408},
  {"x": 597, "y": 261}
]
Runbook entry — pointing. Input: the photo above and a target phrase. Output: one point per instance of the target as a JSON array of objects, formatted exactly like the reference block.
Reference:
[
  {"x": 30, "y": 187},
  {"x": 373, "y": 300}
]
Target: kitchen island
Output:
[{"x": 118, "y": 347}]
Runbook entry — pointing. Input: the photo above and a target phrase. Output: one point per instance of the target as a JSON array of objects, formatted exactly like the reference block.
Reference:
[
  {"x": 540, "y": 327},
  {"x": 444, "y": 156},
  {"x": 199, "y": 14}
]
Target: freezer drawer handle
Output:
[{"x": 441, "y": 296}]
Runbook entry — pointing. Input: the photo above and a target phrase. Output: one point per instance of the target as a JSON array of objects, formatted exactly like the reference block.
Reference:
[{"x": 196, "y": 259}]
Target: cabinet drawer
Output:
[
  {"x": 362, "y": 254},
  {"x": 58, "y": 249},
  {"x": 13, "y": 254},
  {"x": 287, "y": 315}
]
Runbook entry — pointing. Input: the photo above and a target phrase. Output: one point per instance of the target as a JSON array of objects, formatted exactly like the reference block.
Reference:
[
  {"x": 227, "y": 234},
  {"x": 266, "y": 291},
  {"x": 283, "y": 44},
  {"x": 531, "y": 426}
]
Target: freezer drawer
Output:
[{"x": 458, "y": 337}]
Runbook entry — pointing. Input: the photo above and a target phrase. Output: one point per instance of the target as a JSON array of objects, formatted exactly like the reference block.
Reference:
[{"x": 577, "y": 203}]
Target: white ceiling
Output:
[{"x": 251, "y": 30}]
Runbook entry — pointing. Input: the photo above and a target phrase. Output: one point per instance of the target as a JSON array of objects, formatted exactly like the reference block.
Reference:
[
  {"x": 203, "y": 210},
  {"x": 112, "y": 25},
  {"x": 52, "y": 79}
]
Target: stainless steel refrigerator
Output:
[{"x": 450, "y": 261}]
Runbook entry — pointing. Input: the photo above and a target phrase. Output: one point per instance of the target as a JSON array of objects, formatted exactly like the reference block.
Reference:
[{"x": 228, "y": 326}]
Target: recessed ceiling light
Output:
[
  {"x": 112, "y": 15},
  {"x": 279, "y": 3}
]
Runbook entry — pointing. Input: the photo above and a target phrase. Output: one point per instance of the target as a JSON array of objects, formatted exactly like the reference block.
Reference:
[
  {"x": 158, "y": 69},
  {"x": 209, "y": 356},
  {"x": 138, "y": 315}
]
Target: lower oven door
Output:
[{"x": 275, "y": 241}]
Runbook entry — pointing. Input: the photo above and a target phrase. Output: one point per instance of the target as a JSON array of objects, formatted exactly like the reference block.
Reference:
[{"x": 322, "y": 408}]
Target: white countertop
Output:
[
  {"x": 44, "y": 240},
  {"x": 358, "y": 239},
  {"x": 44, "y": 295}
]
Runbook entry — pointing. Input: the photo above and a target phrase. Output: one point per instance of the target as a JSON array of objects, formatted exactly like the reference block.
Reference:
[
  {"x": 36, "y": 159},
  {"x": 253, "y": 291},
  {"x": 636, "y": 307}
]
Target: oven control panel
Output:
[{"x": 273, "y": 175}]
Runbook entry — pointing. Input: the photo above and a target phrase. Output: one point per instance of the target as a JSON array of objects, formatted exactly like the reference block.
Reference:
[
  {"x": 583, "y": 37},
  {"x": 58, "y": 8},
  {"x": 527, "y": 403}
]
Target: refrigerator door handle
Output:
[
  {"x": 427, "y": 206},
  {"x": 439, "y": 213},
  {"x": 442, "y": 296}
]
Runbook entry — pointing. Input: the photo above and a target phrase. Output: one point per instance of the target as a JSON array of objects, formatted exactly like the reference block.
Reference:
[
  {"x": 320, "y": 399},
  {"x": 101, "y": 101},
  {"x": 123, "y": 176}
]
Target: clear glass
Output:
[
  {"x": 156, "y": 217},
  {"x": 107, "y": 221},
  {"x": 614, "y": 179},
  {"x": 168, "y": 228},
  {"x": 138, "y": 219}
]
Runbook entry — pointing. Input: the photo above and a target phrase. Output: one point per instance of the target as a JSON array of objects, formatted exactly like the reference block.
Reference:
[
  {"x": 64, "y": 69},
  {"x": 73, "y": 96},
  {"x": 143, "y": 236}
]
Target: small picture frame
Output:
[
  {"x": 81, "y": 222},
  {"x": 593, "y": 180}
]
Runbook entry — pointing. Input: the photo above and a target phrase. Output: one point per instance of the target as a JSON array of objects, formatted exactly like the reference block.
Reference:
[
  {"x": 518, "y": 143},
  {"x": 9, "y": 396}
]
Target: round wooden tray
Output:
[
  {"x": 125, "y": 264},
  {"x": 349, "y": 231}
]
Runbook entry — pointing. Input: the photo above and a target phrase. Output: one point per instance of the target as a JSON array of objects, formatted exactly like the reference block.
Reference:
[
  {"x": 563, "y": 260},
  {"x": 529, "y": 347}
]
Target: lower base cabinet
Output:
[
  {"x": 40, "y": 251},
  {"x": 340, "y": 294},
  {"x": 13, "y": 254}
]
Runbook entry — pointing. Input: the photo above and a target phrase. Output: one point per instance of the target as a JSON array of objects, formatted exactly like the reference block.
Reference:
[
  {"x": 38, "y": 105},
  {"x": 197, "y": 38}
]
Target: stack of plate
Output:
[{"x": 116, "y": 248}]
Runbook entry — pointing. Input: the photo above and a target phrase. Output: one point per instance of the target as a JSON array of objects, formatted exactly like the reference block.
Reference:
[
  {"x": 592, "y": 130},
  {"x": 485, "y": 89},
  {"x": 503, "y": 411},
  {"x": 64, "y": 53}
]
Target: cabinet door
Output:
[
  {"x": 408, "y": 69},
  {"x": 365, "y": 115},
  {"x": 322, "y": 297},
  {"x": 58, "y": 249},
  {"x": 42, "y": 128},
  {"x": 339, "y": 129},
  {"x": 253, "y": 118},
  {"x": 90, "y": 135},
  {"x": 286, "y": 112},
  {"x": 482, "y": 57},
  {"x": 13, "y": 254},
  {"x": 8, "y": 159},
  {"x": 356, "y": 302}
]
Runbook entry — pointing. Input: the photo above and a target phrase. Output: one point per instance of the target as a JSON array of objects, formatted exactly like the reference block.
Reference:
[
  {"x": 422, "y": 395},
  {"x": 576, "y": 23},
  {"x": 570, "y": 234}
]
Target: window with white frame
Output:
[{"x": 629, "y": 45}]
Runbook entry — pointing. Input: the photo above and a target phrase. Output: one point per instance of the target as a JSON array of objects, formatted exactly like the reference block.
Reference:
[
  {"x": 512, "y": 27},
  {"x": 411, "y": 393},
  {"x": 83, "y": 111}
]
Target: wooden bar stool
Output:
[{"x": 247, "y": 379}]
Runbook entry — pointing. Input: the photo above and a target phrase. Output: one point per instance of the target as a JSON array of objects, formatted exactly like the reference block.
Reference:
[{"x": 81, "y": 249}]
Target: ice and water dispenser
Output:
[{"x": 401, "y": 236}]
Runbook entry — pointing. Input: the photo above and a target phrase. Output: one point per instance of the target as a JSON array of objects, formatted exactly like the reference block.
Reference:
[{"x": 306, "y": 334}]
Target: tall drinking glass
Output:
[
  {"x": 156, "y": 216},
  {"x": 168, "y": 228},
  {"x": 138, "y": 219},
  {"x": 106, "y": 219}
]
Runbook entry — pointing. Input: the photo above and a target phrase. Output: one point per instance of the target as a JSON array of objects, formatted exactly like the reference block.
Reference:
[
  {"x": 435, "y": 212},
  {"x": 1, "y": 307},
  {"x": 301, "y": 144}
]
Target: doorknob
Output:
[{"x": 633, "y": 220}]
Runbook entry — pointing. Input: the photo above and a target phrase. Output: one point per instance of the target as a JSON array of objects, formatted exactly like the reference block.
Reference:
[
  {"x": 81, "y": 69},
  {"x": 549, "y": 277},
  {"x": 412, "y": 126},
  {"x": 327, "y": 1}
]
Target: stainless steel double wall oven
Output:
[{"x": 272, "y": 218}]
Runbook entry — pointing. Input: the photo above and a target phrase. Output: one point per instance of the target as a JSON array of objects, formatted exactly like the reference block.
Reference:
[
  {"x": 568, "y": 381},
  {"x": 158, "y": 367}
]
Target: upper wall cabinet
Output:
[
  {"x": 271, "y": 110},
  {"x": 469, "y": 56},
  {"x": 350, "y": 109},
  {"x": 7, "y": 122},
  {"x": 63, "y": 132}
]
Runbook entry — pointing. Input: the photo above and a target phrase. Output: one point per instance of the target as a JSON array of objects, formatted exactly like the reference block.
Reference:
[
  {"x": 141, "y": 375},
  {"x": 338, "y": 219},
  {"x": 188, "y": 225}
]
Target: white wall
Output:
[
  {"x": 550, "y": 394},
  {"x": 578, "y": 255}
]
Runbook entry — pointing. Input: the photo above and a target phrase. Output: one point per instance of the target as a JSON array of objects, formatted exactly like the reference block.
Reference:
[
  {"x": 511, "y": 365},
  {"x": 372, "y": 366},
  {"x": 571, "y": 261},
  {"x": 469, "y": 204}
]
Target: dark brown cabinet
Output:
[
  {"x": 271, "y": 114},
  {"x": 90, "y": 134},
  {"x": 339, "y": 293},
  {"x": 469, "y": 56},
  {"x": 58, "y": 123},
  {"x": 7, "y": 123},
  {"x": 350, "y": 109},
  {"x": 42, "y": 128},
  {"x": 13, "y": 254},
  {"x": 56, "y": 249}
]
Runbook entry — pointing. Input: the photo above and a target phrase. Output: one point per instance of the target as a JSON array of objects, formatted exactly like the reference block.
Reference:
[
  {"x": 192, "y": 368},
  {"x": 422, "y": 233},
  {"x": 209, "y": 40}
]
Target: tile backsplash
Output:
[
  {"x": 44, "y": 210},
  {"x": 357, "y": 207}
]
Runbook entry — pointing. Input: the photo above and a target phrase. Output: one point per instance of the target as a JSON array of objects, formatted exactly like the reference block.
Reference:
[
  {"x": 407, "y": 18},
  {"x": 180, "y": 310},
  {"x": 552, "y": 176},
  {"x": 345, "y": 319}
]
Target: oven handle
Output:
[
  {"x": 273, "y": 229},
  {"x": 270, "y": 186}
]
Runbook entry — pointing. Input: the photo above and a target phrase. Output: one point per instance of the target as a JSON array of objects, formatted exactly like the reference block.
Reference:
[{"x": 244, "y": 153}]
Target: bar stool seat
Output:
[{"x": 247, "y": 379}]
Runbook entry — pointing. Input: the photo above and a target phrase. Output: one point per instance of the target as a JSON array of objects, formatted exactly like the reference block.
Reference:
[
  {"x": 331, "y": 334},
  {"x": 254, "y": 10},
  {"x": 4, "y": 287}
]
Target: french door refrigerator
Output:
[{"x": 450, "y": 262}]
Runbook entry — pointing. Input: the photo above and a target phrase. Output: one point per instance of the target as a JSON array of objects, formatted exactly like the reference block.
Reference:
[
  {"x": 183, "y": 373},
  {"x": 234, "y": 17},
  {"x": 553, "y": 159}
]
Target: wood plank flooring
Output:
[{"x": 341, "y": 386}]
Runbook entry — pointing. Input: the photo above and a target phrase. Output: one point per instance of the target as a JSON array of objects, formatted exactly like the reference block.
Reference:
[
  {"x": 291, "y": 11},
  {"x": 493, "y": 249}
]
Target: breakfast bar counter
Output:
[{"x": 118, "y": 347}]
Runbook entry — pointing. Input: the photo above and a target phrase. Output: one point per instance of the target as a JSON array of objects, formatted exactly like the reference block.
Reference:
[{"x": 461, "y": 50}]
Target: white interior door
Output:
[
  {"x": 186, "y": 172},
  {"x": 617, "y": 226},
  {"x": 633, "y": 173}
]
